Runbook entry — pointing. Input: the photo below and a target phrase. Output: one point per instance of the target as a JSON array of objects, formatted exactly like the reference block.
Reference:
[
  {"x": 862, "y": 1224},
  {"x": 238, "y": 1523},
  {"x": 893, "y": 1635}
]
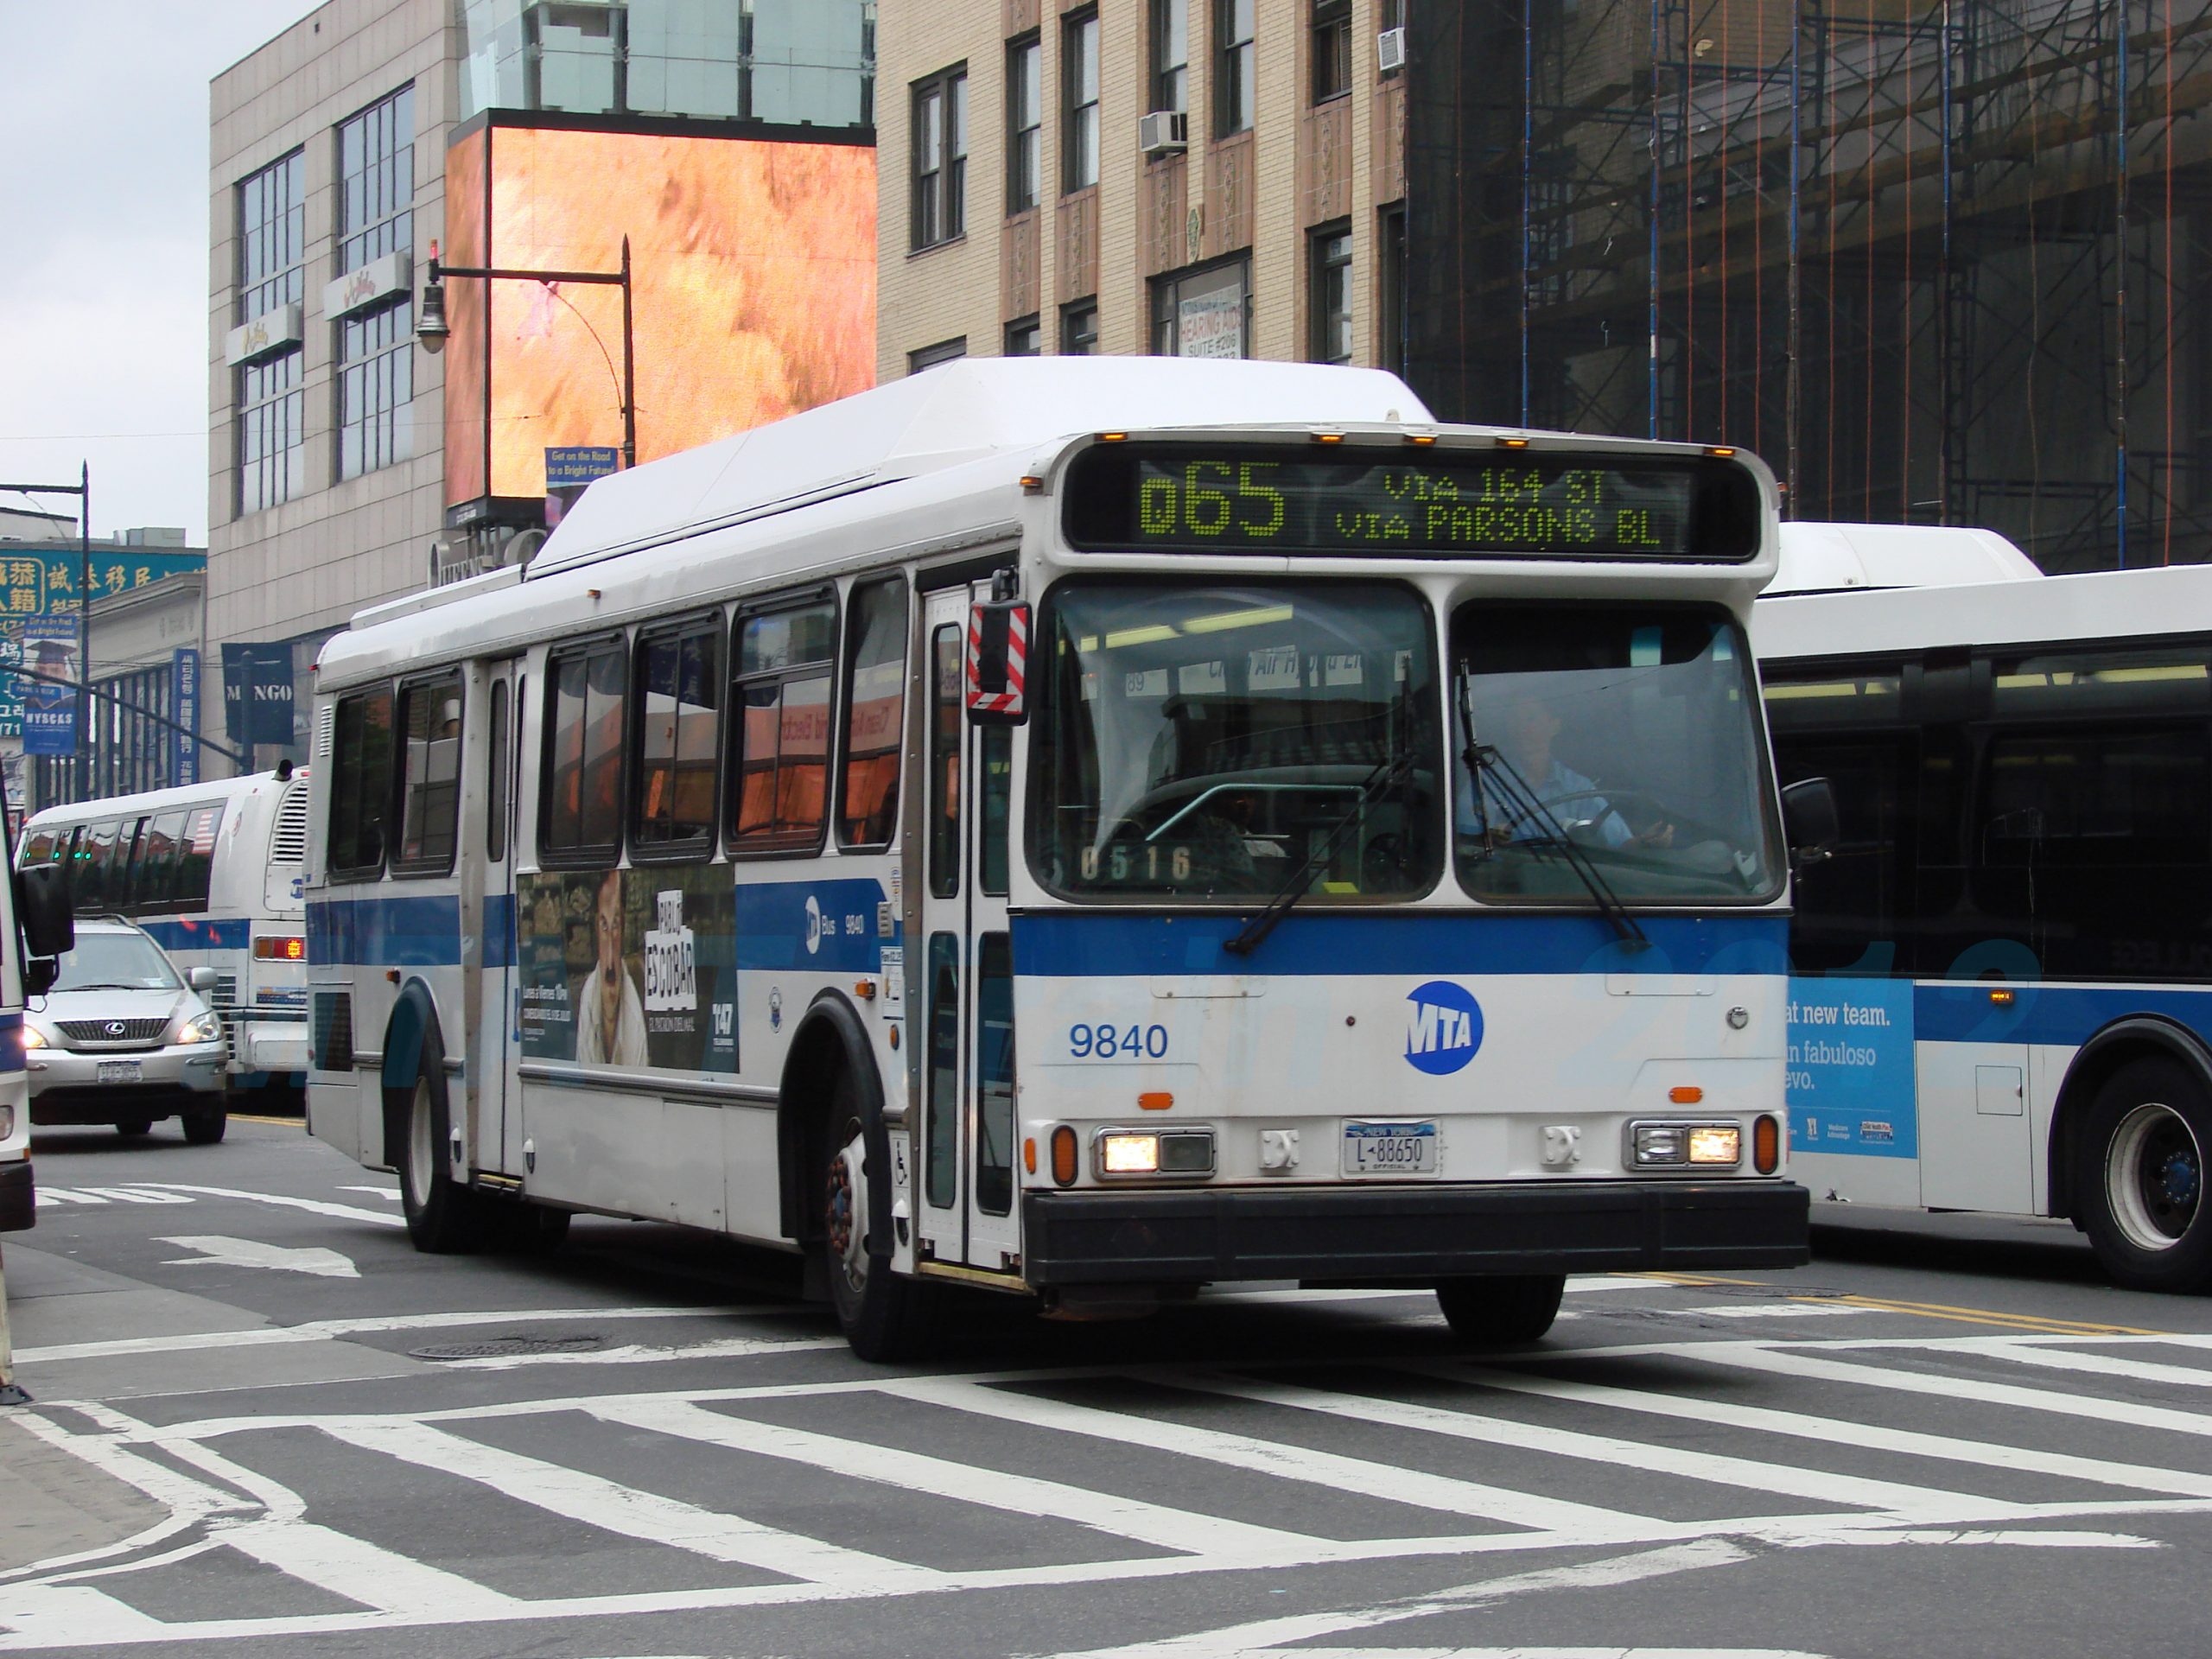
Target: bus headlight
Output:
[
  {"x": 1122, "y": 1153},
  {"x": 200, "y": 1028},
  {"x": 1660, "y": 1146}
]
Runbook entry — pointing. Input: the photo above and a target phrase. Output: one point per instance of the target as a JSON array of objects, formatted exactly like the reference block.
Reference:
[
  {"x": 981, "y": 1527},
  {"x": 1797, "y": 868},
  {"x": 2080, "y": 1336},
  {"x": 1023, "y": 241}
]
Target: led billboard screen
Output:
[{"x": 752, "y": 277}]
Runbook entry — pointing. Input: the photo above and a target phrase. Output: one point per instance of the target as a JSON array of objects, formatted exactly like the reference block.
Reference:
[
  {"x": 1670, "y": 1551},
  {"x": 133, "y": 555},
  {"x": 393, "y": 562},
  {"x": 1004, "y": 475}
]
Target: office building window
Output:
[
  {"x": 1328, "y": 253},
  {"x": 1332, "y": 50},
  {"x": 1390, "y": 288},
  {"x": 1171, "y": 55},
  {"x": 1079, "y": 139},
  {"x": 930, "y": 356},
  {"x": 272, "y": 275},
  {"x": 1203, "y": 313},
  {"x": 375, "y": 377},
  {"x": 1079, "y": 329},
  {"x": 1024, "y": 338},
  {"x": 940, "y": 157},
  {"x": 1025, "y": 124},
  {"x": 1233, "y": 54}
]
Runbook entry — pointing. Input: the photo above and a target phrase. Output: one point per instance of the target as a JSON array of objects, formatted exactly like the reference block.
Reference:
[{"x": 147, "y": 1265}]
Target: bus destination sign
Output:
[{"x": 1357, "y": 501}]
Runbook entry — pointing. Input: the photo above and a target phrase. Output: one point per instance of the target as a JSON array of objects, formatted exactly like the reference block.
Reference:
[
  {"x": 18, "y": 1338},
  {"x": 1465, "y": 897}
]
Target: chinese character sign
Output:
[{"x": 45, "y": 582}]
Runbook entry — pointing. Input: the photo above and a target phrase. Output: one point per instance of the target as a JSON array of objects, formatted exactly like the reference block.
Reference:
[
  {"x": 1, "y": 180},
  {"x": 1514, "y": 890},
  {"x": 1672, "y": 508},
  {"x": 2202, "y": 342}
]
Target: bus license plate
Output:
[
  {"x": 1389, "y": 1149},
  {"x": 119, "y": 1071}
]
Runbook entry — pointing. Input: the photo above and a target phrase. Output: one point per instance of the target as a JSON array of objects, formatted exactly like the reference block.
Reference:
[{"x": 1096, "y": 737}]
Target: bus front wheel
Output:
[
  {"x": 1503, "y": 1310},
  {"x": 884, "y": 1316},
  {"x": 2142, "y": 1187}
]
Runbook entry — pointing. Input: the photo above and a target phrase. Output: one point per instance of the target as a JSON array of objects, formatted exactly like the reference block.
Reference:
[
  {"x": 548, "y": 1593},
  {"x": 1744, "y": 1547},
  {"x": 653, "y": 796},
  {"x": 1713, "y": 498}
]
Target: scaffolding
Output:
[{"x": 1938, "y": 263}]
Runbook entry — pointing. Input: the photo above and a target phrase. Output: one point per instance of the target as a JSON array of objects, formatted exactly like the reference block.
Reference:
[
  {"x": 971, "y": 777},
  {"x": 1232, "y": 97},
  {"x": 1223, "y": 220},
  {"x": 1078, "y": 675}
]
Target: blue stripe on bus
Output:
[
  {"x": 199, "y": 932},
  {"x": 1065, "y": 945},
  {"x": 419, "y": 931},
  {"x": 1960, "y": 1011},
  {"x": 12, "y": 1043}
]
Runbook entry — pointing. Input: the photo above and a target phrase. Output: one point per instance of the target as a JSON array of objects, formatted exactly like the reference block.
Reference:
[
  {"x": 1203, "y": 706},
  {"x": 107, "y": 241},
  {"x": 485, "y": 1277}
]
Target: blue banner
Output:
[
  {"x": 258, "y": 692},
  {"x": 573, "y": 464},
  {"x": 1850, "y": 1085},
  {"x": 50, "y": 650},
  {"x": 184, "y": 701}
]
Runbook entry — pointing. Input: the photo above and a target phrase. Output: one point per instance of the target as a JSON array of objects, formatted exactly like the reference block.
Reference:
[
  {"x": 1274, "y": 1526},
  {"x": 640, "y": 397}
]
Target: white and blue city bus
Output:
[
  {"x": 1085, "y": 829},
  {"x": 2003, "y": 990},
  {"x": 214, "y": 872}
]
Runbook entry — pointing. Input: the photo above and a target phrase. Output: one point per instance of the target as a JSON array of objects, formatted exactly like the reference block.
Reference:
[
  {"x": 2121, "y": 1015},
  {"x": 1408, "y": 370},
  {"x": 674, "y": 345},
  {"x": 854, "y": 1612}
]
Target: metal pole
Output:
[
  {"x": 629, "y": 371},
  {"x": 85, "y": 631},
  {"x": 1793, "y": 412},
  {"x": 2119, "y": 297}
]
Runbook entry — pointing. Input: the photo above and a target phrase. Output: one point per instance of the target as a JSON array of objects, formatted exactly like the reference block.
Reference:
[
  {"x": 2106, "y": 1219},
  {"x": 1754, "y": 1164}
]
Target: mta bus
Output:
[
  {"x": 214, "y": 873},
  {"x": 2002, "y": 998},
  {"x": 1084, "y": 829}
]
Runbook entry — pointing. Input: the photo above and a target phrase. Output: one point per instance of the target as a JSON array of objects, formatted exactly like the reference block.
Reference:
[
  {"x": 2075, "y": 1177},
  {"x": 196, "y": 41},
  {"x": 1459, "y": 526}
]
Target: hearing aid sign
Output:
[{"x": 1850, "y": 1077}]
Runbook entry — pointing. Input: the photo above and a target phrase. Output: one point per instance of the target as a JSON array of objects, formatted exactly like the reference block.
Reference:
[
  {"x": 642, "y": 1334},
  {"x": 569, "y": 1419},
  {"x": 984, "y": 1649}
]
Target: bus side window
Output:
[
  {"x": 95, "y": 856},
  {"x": 672, "y": 788},
  {"x": 941, "y": 1156},
  {"x": 995, "y": 798},
  {"x": 994, "y": 1068},
  {"x": 123, "y": 875},
  {"x": 875, "y": 684},
  {"x": 495, "y": 778},
  {"x": 580, "y": 805},
  {"x": 361, "y": 784},
  {"x": 778, "y": 770},
  {"x": 196, "y": 856},
  {"x": 429, "y": 797},
  {"x": 154, "y": 889},
  {"x": 948, "y": 719}
]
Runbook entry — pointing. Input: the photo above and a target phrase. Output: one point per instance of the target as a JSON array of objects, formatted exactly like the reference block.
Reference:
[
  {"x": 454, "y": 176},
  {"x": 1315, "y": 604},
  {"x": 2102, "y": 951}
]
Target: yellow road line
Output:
[
  {"x": 281, "y": 1122},
  {"x": 2035, "y": 1322}
]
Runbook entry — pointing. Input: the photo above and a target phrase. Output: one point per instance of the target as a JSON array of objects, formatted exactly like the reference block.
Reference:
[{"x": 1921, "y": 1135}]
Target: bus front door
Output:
[
  {"x": 493, "y": 1012},
  {"x": 961, "y": 995}
]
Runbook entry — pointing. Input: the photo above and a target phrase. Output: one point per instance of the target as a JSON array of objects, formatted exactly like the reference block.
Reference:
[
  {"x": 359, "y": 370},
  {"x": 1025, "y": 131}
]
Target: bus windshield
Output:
[
  {"x": 1204, "y": 741},
  {"x": 1631, "y": 731}
]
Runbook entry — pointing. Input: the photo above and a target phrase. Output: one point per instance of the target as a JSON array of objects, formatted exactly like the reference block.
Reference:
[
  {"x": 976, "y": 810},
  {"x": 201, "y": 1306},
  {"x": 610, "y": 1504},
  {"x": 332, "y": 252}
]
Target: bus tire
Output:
[
  {"x": 885, "y": 1317},
  {"x": 443, "y": 1217},
  {"x": 1502, "y": 1311},
  {"x": 205, "y": 1128},
  {"x": 130, "y": 1129},
  {"x": 2140, "y": 1192}
]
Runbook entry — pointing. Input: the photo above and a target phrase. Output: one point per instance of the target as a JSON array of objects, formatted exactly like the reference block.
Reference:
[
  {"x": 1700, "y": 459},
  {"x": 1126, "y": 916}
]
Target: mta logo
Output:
[{"x": 1444, "y": 1027}]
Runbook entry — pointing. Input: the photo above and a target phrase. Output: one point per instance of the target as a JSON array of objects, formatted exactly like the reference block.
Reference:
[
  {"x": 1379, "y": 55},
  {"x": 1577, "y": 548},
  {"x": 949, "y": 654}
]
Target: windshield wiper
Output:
[
  {"x": 1488, "y": 768},
  {"x": 1391, "y": 771}
]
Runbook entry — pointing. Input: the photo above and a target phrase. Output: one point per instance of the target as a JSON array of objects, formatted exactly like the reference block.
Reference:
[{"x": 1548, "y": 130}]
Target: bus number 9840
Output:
[{"x": 1117, "y": 1042}]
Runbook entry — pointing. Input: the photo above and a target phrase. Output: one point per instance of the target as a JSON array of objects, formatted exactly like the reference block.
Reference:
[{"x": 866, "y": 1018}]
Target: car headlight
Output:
[
  {"x": 33, "y": 1037},
  {"x": 200, "y": 1028}
]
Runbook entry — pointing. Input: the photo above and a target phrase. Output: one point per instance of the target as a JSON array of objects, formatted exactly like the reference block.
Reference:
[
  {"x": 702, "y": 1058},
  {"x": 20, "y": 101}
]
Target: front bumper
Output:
[
  {"x": 18, "y": 1211},
  {"x": 1352, "y": 1234},
  {"x": 65, "y": 1086}
]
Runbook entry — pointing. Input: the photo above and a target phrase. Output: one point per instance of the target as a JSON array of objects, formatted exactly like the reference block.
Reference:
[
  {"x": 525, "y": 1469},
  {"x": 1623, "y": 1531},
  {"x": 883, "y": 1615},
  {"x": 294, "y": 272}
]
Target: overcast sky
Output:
[{"x": 103, "y": 291}]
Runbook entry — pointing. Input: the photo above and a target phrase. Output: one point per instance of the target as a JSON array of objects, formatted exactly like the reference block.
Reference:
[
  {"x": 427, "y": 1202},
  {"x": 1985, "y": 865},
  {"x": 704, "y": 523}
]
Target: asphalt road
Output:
[{"x": 262, "y": 1422}]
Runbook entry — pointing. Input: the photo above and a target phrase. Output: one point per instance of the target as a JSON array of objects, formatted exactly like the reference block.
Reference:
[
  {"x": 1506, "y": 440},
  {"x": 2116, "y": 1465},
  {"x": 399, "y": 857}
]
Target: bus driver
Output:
[{"x": 1525, "y": 745}]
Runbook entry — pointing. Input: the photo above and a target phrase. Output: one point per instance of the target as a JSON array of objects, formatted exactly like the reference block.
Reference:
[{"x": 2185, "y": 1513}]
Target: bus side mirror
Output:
[
  {"x": 1808, "y": 823},
  {"x": 43, "y": 914},
  {"x": 998, "y": 662}
]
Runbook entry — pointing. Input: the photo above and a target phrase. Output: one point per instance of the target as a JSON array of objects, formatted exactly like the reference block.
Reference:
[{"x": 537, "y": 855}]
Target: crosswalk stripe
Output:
[
  {"x": 1839, "y": 1432},
  {"x": 75, "y": 1613},
  {"x": 1716, "y": 1468},
  {"x": 2064, "y": 1359},
  {"x": 1781, "y": 1363},
  {"x": 1287, "y": 1462},
  {"x": 1170, "y": 1529},
  {"x": 133, "y": 1195},
  {"x": 60, "y": 1195},
  {"x": 629, "y": 1511},
  {"x": 362, "y": 1572}
]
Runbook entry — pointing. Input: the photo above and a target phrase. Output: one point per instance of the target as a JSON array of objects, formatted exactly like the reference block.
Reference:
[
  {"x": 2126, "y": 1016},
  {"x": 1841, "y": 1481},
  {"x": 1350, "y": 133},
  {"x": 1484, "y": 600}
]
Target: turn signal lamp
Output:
[
  {"x": 1029, "y": 1154},
  {"x": 1766, "y": 1146},
  {"x": 1063, "y": 1156},
  {"x": 280, "y": 947},
  {"x": 1155, "y": 1101},
  {"x": 1686, "y": 1094}
]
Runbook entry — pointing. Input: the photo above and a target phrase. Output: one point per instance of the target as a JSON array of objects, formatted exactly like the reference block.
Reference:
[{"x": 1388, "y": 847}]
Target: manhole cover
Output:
[{"x": 507, "y": 1347}]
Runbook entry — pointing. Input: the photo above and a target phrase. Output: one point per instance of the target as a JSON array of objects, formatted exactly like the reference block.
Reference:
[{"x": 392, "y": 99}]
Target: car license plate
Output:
[
  {"x": 119, "y": 1071},
  {"x": 1389, "y": 1149}
]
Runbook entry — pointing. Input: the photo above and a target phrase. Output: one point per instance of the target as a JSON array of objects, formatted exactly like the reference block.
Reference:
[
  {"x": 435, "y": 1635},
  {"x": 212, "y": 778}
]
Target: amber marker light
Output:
[
  {"x": 1424, "y": 439},
  {"x": 1328, "y": 437},
  {"x": 1029, "y": 1154},
  {"x": 1063, "y": 1156},
  {"x": 1513, "y": 444},
  {"x": 2002, "y": 999},
  {"x": 1686, "y": 1094},
  {"x": 1721, "y": 451},
  {"x": 1766, "y": 1146},
  {"x": 1113, "y": 437},
  {"x": 1157, "y": 1100}
]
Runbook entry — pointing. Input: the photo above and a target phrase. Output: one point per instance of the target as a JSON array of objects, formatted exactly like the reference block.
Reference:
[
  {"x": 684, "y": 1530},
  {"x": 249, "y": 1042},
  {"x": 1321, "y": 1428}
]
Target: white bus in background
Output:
[
  {"x": 2003, "y": 989},
  {"x": 214, "y": 873},
  {"x": 1064, "y": 827}
]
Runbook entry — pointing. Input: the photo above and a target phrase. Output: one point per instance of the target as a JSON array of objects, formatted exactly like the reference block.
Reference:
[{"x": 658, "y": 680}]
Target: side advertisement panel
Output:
[{"x": 1851, "y": 1067}]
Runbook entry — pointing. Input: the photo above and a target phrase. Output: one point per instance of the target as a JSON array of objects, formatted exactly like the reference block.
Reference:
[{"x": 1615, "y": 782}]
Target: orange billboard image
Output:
[{"x": 752, "y": 285}]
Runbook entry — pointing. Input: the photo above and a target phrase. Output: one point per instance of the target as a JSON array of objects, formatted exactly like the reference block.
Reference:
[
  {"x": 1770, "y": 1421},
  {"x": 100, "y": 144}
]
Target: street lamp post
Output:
[{"x": 432, "y": 331}]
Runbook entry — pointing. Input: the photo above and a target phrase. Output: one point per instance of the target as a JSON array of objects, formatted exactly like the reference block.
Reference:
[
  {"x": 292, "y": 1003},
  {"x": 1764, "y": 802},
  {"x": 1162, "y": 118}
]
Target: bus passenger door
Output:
[
  {"x": 964, "y": 979},
  {"x": 493, "y": 1020}
]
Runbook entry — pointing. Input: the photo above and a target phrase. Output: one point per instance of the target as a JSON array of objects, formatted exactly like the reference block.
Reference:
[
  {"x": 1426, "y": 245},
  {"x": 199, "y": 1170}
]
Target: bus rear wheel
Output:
[
  {"x": 1502, "y": 1310},
  {"x": 885, "y": 1317},
  {"x": 2141, "y": 1192}
]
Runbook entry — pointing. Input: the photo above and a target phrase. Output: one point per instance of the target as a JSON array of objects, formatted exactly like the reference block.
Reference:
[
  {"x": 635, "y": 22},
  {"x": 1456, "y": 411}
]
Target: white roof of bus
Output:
[
  {"x": 157, "y": 800},
  {"x": 2108, "y": 605},
  {"x": 957, "y": 412},
  {"x": 1829, "y": 558}
]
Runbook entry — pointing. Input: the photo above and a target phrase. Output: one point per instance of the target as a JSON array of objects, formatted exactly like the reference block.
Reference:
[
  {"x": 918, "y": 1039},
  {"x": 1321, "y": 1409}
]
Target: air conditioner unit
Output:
[
  {"x": 1390, "y": 50},
  {"x": 1163, "y": 131}
]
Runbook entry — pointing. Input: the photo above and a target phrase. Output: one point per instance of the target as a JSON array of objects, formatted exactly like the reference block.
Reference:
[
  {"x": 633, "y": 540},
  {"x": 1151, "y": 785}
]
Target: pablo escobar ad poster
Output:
[{"x": 629, "y": 968}]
